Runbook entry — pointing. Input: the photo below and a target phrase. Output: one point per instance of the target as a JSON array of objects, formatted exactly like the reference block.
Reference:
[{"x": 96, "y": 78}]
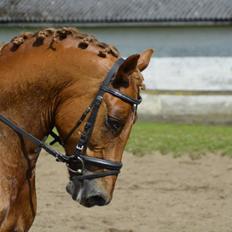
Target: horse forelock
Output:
[{"x": 51, "y": 36}]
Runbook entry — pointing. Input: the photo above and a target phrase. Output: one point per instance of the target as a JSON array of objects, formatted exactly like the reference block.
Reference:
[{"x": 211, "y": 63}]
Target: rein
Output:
[{"x": 78, "y": 161}]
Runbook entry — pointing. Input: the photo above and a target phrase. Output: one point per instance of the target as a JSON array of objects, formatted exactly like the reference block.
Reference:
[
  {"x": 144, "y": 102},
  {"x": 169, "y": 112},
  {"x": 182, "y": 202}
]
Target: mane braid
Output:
[{"x": 57, "y": 35}]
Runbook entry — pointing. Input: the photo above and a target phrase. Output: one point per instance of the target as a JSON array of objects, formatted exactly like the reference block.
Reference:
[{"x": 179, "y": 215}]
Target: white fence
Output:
[{"x": 189, "y": 90}]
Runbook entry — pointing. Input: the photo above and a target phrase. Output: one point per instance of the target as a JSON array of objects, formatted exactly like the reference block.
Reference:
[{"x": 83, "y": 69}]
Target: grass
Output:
[{"x": 179, "y": 139}]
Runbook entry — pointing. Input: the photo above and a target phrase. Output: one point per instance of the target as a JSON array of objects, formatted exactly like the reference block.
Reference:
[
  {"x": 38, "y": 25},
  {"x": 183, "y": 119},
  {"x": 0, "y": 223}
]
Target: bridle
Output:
[{"x": 77, "y": 162}]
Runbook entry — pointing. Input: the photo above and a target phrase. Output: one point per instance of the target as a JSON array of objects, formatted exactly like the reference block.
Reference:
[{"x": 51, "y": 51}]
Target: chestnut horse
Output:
[{"x": 47, "y": 79}]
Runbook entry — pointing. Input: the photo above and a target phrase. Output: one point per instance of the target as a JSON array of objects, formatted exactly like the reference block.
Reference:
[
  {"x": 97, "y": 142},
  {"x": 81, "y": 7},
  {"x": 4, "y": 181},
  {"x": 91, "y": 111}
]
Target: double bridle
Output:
[{"x": 78, "y": 161}]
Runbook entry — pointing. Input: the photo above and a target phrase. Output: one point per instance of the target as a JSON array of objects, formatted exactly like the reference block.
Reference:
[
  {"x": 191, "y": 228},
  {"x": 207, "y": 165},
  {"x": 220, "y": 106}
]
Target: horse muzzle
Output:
[{"x": 88, "y": 193}]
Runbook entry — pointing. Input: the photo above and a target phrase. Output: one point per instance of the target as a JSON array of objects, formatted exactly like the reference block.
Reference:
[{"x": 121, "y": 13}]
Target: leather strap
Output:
[
  {"x": 50, "y": 150},
  {"x": 101, "y": 163},
  {"x": 94, "y": 175},
  {"x": 122, "y": 96}
]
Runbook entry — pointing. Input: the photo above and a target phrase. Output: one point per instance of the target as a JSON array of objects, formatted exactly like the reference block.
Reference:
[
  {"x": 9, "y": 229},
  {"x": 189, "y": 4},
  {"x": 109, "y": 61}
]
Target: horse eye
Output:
[{"x": 114, "y": 124}]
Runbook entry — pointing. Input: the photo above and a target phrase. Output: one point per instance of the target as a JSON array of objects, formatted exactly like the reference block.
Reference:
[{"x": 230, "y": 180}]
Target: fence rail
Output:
[{"x": 189, "y": 92}]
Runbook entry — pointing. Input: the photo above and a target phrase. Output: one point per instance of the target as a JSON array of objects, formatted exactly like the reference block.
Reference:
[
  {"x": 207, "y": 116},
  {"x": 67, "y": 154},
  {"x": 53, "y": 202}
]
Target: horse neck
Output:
[
  {"x": 29, "y": 94},
  {"x": 32, "y": 84}
]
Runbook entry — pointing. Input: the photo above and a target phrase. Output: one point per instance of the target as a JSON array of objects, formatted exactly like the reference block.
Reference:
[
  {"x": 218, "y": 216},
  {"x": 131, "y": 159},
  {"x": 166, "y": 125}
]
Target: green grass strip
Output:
[{"x": 179, "y": 139}]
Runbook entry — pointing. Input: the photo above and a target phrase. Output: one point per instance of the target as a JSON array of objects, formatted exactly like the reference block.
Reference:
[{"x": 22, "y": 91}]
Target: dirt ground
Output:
[{"x": 154, "y": 193}]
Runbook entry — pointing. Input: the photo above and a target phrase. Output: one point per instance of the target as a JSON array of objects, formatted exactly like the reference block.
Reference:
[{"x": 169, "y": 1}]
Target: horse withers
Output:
[{"x": 48, "y": 79}]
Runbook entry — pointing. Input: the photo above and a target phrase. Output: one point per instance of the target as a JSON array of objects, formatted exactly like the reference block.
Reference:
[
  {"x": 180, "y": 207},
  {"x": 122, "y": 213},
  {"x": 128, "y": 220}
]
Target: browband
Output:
[{"x": 122, "y": 96}]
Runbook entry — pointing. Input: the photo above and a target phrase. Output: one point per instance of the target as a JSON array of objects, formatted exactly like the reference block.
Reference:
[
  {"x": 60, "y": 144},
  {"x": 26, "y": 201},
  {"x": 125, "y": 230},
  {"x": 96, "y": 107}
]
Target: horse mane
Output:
[
  {"x": 57, "y": 35},
  {"x": 1, "y": 45},
  {"x": 50, "y": 37}
]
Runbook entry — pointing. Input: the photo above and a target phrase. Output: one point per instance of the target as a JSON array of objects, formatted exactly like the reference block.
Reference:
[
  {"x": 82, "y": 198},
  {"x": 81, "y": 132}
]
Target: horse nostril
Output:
[{"x": 95, "y": 200}]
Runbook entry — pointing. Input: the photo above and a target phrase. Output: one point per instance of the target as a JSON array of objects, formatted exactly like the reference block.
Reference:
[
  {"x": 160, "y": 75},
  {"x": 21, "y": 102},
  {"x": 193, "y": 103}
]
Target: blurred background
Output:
[{"x": 186, "y": 113}]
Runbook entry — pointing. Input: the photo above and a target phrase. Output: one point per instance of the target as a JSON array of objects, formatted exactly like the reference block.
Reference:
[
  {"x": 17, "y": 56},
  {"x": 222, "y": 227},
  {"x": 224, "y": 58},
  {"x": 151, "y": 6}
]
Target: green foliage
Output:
[{"x": 179, "y": 139}]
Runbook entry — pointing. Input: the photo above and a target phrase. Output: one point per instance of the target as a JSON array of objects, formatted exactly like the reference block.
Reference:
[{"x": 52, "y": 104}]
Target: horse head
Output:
[{"x": 111, "y": 129}]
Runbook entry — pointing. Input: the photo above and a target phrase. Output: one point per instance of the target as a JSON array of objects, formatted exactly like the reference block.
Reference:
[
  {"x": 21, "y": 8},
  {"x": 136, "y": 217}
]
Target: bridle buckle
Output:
[
  {"x": 79, "y": 147},
  {"x": 78, "y": 171}
]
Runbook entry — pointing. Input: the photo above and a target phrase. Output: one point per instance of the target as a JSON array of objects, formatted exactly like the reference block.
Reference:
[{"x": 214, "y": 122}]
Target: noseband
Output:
[{"x": 79, "y": 161}]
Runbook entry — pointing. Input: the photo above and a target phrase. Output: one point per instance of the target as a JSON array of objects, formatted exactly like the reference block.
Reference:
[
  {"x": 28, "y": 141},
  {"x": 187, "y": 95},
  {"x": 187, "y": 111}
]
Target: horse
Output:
[{"x": 47, "y": 79}]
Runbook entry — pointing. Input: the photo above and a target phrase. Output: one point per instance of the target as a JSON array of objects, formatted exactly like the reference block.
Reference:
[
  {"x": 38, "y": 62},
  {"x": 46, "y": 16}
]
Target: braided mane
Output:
[
  {"x": 1, "y": 45},
  {"x": 53, "y": 36}
]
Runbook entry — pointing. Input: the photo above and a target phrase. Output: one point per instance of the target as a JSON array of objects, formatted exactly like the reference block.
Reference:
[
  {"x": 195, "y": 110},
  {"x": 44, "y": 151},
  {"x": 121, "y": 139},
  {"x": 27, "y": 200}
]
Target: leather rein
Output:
[{"x": 78, "y": 161}]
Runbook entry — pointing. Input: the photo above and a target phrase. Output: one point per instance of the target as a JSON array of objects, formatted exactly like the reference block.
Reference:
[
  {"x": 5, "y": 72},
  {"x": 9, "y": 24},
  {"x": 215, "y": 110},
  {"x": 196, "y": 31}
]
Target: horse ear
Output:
[
  {"x": 126, "y": 68},
  {"x": 144, "y": 59}
]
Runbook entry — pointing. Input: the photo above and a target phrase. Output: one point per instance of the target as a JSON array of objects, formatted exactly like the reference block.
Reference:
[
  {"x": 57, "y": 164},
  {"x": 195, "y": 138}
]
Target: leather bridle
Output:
[{"x": 78, "y": 161}]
